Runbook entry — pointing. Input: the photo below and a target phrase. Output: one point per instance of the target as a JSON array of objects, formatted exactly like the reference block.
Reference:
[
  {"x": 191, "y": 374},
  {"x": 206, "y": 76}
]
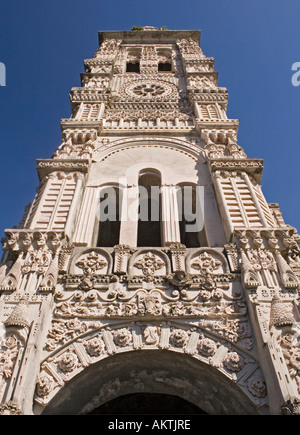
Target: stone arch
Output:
[
  {"x": 194, "y": 151},
  {"x": 122, "y": 164},
  {"x": 150, "y": 356},
  {"x": 153, "y": 372}
]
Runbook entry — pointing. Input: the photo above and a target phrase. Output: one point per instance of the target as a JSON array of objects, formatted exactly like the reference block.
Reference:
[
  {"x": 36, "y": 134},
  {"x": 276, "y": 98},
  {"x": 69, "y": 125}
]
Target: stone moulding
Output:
[
  {"x": 251, "y": 166},
  {"x": 46, "y": 166},
  {"x": 189, "y": 148}
]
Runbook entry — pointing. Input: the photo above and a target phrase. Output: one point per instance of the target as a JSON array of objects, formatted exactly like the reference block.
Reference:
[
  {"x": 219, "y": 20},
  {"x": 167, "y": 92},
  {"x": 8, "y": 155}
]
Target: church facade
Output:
[{"x": 149, "y": 261}]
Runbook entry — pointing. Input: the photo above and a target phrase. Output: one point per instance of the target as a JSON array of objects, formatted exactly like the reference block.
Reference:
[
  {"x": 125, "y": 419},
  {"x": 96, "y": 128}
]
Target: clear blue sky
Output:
[{"x": 254, "y": 43}]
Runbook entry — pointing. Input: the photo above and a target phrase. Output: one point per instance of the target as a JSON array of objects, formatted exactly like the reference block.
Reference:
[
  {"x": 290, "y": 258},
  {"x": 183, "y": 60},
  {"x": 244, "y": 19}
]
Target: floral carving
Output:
[
  {"x": 68, "y": 362},
  {"x": 95, "y": 346},
  {"x": 10, "y": 408},
  {"x": 36, "y": 261},
  {"x": 207, "y": 347},
  {"x": 257, "y": 387},
  {"x": 149, "y": 89},
  {"x": 64, "y": 330},
  {"x": 233, "y": 361},
  {"x": 90, "y": 264},
  {"x": 122, "y": 337},
  {"x": 291, "y": 352},
  {"x": 179, "y": 338}
]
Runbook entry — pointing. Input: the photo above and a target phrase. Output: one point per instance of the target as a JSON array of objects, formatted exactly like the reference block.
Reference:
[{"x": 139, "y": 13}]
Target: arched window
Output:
[
  {"x": 109, "y": 216},
  {"x": 149, "y": 222},
  {"x": 191, "y": 218}
]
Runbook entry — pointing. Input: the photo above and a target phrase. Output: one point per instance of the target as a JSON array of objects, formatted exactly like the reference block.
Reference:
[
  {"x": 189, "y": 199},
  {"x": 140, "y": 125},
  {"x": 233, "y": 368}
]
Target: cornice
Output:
[
  {"x": 216, "y": 124},
  {"x": 46, "y": 166},
  {"x": 74, "y": 123},
  {"x": 150, "y": 36},
  {"x": 253, "y": 167}
]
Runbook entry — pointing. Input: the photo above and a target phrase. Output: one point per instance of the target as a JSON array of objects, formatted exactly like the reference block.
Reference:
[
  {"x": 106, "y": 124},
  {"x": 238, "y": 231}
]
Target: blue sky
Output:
[{"x": 254, "y": 43}]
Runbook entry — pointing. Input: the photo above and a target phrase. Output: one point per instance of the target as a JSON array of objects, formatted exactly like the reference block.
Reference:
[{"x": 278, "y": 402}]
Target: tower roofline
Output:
[{"x": 154, "y": 36}]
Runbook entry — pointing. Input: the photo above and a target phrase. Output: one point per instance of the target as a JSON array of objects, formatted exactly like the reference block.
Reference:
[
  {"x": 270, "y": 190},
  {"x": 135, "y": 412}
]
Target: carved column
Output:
[
  {"x": 170, "y": 216},
  {"x": 86, "y": 220},
  {"x": 129, "y": 216}
]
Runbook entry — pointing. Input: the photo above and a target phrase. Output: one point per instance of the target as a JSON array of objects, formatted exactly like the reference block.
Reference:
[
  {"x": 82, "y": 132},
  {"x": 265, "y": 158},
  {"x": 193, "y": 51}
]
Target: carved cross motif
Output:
[
  {"x": 149, "y": 263},
  {"x": 206, "y": 264},
  {"x": 91, "y": 263}
]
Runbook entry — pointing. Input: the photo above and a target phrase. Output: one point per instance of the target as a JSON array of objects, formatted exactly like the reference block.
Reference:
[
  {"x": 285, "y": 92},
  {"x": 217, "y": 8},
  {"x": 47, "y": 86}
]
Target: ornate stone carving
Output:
[
  {"x": 257, "y": 387},
  {"x": 205, "y": 264},
  {"x": 9, "y": 351},
  {"x": 151, "y": 334},
  {"x": 68, "y": 362},
  {"x": 207, "y": 347},
  {"x": 234, "y": 362},
  {"x": 10, "y": 408},
  {"x": 44, "y": 385},
  {"x": 122, "y": 337},
  {"x": 281, "y": 313},
  {"x": 149, "y": 90},
  {"x": 179, "y": 338},
  {"x": 91, "y": 264},
  {"x": 149, "y": 263}
]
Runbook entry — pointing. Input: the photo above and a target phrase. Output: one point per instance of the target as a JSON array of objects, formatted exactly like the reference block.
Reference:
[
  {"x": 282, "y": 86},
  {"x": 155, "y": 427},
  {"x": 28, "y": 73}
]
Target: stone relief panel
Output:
[
  {"x": 265, "y": 259},
  {"x": 149, "y": 264},
  {"x": 32, "y": 261},
  {"x": 233, "y": 362},
  {"x": 89, "y": 269}
]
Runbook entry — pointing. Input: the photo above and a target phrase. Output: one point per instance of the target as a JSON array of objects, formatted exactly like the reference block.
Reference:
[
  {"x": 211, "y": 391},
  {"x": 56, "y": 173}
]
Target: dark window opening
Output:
[
  {"x": 133, "y": 67},
  {"x": 109, "y": 217},
  {"x": 164, "y": 66},
  {"x": 149, "y": 223},
  {"x": 191, "y": 220}
]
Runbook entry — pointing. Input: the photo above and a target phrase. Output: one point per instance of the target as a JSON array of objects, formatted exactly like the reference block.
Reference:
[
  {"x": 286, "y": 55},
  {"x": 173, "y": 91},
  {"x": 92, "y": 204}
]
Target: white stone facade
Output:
[{"x": 216, "y": 308}]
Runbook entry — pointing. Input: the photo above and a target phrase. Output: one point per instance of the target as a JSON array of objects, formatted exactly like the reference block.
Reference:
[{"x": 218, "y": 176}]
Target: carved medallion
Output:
[{"x": 149, "y": 90}]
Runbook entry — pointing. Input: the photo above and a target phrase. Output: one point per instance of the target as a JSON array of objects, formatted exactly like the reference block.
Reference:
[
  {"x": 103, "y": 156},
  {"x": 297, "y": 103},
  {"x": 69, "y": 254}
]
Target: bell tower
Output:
[{"x": 149, "y": 260}]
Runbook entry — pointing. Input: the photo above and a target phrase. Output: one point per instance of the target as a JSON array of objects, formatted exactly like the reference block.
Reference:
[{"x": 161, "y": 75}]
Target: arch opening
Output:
[
  {"x": 150, "y": 372},
  {"x": 109, "y": 216},
  {"x": 149, "y": 224},
  {"x": 147, "y": 404}
]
